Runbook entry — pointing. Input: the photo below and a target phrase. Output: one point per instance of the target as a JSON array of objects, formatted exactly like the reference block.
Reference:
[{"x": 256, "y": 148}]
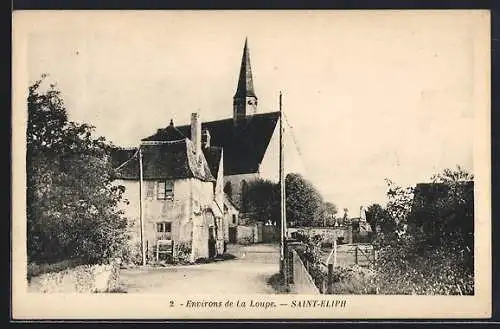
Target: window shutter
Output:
[{"x": 161, "y": 191}]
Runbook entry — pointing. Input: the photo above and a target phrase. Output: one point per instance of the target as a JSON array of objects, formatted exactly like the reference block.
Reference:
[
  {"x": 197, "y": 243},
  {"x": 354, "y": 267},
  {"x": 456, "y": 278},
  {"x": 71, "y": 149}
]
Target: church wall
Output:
[{"x": 269, "y": 167}]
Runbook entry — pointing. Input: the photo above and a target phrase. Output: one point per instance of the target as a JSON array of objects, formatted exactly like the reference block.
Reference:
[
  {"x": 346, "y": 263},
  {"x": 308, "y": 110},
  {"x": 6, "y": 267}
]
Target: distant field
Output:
[{"x": 346, "y": 254}]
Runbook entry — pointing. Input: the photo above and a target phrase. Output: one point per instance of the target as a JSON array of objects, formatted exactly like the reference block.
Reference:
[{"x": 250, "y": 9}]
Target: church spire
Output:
[
  {"x": 245, "y": 81},
  {"x": 245, "y": 100}
]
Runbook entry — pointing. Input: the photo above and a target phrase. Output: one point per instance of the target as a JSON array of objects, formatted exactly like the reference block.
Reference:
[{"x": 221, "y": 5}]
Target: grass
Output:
[{"x": 277, "y": 282}]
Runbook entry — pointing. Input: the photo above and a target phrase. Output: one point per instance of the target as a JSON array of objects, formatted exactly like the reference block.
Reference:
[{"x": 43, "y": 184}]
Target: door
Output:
[
  {"x": 211, "y": 242},
  {"x": 232, "y": 234}
]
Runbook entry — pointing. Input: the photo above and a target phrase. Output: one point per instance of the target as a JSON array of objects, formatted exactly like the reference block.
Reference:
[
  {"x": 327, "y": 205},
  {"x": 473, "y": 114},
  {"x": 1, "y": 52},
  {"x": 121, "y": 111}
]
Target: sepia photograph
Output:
[{"x": 251, "y": 164}]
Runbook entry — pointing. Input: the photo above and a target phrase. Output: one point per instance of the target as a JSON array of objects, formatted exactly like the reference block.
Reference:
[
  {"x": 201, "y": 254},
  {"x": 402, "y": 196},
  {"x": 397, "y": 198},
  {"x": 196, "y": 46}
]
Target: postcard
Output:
[{"x": 320, "y": 164}]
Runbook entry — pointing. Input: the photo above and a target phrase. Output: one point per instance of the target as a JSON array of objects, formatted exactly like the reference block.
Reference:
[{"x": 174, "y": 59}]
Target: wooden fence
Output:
[
  {"x": 300, "y": 275},
  {"x": 350, "y": 254}
]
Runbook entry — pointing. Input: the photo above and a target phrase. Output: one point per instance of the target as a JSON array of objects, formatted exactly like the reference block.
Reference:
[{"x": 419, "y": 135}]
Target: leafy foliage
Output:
[
  {"x": 435, "y": 254},
  {"x": 425, "y": 245},
  {"x": 376, "y": 215},
  {"x": 304, "y": 203},
  {"x": 330, "y": 210},
  {"x": 72, "y": 205},
  {"x": 263, "y": 200}
]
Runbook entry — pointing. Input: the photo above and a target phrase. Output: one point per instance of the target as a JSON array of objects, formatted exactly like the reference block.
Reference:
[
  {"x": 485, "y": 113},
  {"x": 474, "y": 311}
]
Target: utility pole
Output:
[
  {"x": 283, "y": 267},
  {"x": 141, "y": 208}
]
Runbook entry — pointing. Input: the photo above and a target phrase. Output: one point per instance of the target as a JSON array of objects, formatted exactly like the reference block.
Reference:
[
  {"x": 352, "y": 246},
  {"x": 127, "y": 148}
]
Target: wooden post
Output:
[
  {"x": 335, "y": 252},
  {"x": 283, "y": 249},
  {"x": 157, "y": 251},
  {"x": 290, "y": 266},
  {"x": 141, "y": 207},
  {"x": 329, "y": 286},
  {"x": 356, "y": 255}
]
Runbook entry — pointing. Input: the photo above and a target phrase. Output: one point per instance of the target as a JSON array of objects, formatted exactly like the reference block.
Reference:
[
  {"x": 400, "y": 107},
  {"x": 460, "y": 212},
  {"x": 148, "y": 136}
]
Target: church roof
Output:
[
  {"x": 213, "y": 154},
  {"x": 172, "y": 160},
  {"x": 245, "y": 81},
  {"x": 244, "y": 144}
]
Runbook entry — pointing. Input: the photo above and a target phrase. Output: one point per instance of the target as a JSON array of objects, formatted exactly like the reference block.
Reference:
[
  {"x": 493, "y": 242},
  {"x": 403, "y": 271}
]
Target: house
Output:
[
  {"x": 250, "y": 139},
  {"x": 182, "y": 192}
]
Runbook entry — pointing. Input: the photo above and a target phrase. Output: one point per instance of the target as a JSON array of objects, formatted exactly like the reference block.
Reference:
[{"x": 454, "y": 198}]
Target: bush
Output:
[
  {"x": 354, "y": 280},
  {"x": 182, "y": 253},
  {"x": 408, "y": 266},
  {"x": 131, "y": 254}
]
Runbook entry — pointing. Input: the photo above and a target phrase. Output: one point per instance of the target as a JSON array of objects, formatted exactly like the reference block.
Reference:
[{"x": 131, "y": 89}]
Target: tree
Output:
[
  {"x": 72, "y": 205},
  {"x": 376, "y": 215},
  {"x": 263, "y": 200},
  {"x": 330, "y": 212},
  {"x": 304, "y": 203}
]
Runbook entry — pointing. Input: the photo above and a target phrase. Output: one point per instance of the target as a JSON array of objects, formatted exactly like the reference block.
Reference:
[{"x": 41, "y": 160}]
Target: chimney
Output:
[
  {"x": 196, "y": 132},
  {"x": 205, "y": 139}
]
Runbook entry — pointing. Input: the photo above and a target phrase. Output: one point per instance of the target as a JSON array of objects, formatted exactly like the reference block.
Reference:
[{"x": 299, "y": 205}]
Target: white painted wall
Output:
[{"x": 269, "y": 167}]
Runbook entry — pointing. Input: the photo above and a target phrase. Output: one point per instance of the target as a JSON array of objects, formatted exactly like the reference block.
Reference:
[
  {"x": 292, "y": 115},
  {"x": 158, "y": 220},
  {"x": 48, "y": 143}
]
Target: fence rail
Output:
[{"x": 300, "y": 270}]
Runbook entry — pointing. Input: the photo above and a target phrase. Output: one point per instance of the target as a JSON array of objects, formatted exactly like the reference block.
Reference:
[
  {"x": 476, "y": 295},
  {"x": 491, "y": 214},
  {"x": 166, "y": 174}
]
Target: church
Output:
[{"x": 250, "y": 139}]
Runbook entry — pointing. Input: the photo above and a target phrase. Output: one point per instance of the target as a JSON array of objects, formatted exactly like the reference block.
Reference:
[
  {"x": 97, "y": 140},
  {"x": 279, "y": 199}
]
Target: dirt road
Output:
[{"x": 247, "y": 274}]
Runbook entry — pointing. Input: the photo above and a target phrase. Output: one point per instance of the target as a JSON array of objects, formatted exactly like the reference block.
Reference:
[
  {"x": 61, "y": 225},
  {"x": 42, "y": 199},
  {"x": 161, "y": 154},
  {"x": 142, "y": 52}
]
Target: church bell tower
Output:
[{"x": 244, "y": 100}]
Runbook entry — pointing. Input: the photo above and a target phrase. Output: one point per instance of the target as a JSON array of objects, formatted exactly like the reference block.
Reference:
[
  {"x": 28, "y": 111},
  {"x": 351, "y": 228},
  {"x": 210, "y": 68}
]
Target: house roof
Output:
[
  {"x": 169, "y": 160},
  {"x": 229, "y": 202},
  {"x": 244, "y": 143},
  {"x": 120, "y": 154}
]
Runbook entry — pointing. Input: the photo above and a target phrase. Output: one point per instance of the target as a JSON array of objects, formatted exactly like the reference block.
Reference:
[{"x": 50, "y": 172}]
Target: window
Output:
[
  {"x": 234, "y": 219},
  {"x": 165, "y": 190},
  {"x": 164, "y": 227}
]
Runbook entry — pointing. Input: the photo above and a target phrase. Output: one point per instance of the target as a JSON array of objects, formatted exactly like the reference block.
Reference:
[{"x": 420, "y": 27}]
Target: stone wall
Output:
[
  {"x": 246, "y": 234},
  {"x": 328, "y": 233},
  {"x": 80, "y": 279}
]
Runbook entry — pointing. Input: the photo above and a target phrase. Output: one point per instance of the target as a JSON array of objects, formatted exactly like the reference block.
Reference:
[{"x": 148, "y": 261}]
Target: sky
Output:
[{"x": 369, "y": 95}]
